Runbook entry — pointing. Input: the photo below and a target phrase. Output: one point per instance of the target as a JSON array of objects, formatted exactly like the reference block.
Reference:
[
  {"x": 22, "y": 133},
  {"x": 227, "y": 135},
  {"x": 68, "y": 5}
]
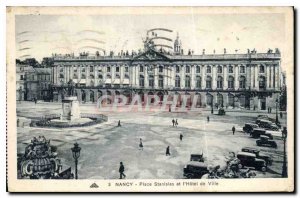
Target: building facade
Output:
[
  {"x": 33, "y": 83},
  {"x": 251, "y": 80}
]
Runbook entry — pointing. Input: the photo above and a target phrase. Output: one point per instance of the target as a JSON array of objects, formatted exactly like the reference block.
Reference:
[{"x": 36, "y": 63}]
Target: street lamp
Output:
[
  {"x": 277, "y": 111},
  {"x": 76, "y": 154},
  {"x": 212, "y": 105},
  {"x": 284, "y": 168}
]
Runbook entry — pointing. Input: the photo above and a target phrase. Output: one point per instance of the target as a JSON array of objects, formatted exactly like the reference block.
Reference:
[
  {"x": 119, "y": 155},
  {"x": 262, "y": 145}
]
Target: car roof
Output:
[
  {"x": 198, "y": 164},
  {"x": 246, "y": 153},
  {"x": 263, "y": 120},
  {"x": 251, "y": 148},
  {"x": 264, "y": 136},
  {"x": 250, "y": 123},
  {"x": 259, "y": 129}
]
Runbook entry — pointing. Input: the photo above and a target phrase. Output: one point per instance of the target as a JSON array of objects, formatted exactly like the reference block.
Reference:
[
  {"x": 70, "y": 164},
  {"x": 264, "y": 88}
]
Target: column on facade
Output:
[
  {"x": 276, "y": 76},
  {"x": 173, "y": 75},
  {"x": 236, "y": 77},
  {"x": 122, "y": 74},
  {"x": 146, "y": 76},
  {"x": 272, "y": 74},
  {"x": 248, "y": 76},
  {"x": 156, "y": 76},
  {"x": 203, "y": 72},
  {"x": 252, "y": 76},
  {"x": 214, "y": 76},
  {"x": 256, "y": 76},
  {"x": 225, "y": 77},
  {"x": 193, "y": 67},
  {"x": 182, "y": 77},
  {"x": 267, "y": 76}
]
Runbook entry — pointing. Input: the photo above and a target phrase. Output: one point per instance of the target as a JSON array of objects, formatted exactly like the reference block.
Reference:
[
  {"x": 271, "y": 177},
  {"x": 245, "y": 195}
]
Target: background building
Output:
[{"x": 251, "y": 80}]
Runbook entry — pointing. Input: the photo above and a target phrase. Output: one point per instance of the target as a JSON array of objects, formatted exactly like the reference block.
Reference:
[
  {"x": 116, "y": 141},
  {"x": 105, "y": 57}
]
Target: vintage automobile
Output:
[
  {"x": 267, "y": 124},
  {"x": 265, "y": 141},
  {"x": 195, "y": 170},
  {"x": 257, "y": 132},
  {"x": 250, "y": 160},
  {"x": 197, "y": 157},
  {"x": 221, "y": 111},
  {"x": 249, "y": 127},
  {"x": 258, "y": 154}
]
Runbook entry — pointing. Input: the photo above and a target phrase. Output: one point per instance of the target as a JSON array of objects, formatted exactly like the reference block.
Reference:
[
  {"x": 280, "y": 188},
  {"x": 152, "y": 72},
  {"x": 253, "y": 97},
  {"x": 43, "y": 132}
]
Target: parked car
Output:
[
  {"x": 197, "y": 157},
  {"x": 221, "y": 111},
  {"x": 258, "y": 154},
  {"x": 257, "y": 132},
  {"x": 267, "y": 124},
  {"x": 265, "y": 141},
  {"x": 250, "y": 160},
  {"x": 249, "y": 127},
  {"x": 195, "y": 170}
]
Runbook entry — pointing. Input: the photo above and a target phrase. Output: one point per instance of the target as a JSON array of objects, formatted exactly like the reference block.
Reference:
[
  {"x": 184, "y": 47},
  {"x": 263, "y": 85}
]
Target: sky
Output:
[{"x": 39, "y": 36}]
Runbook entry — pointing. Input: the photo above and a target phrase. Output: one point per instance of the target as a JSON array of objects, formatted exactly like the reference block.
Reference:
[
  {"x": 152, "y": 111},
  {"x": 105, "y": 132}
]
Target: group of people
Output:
[{"x": 175, "y": 123}]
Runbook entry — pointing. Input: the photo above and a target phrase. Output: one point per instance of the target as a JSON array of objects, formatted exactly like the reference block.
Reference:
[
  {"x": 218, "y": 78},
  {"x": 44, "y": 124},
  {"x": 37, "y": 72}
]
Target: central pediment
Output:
[{"x": 149, "y": 55}]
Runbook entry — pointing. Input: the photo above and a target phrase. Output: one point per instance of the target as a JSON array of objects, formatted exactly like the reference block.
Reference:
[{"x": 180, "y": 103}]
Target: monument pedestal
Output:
[{"x": 70, "y": 108}]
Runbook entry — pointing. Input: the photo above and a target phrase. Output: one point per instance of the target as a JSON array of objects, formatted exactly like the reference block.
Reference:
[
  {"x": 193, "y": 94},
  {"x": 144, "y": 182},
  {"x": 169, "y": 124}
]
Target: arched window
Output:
[
  {"x": 151, "y": 81},
  {"x": 262, "y": 82},
  {"x": 100, "y": 76},
  {"x": 61, "y": 75},
  {"x": 261, "y": 69},
  {"x": 242, "y": 69},
  {"x": 108, "y": 76},
  {"x": 126, "y": 76},
  {"x": 117, "y": 76},
  {"x": 177, "y": 81},
  {"x": 208, "y": 69},
  {"x": 160, "y": 81},
  {"x": 230, "y": 82},
  {"x": 197, "y": 69},
  {"x": 187, "y": 82},
  {"x": 187, "y": 69},
  {"x": 208, "y": 82},
  {"x": 75, "y": 76},
  {"x": 177, "y": 69},
  {"x": 160, "y": 69},
  {"x": 230, "y": 69},
  {"x": 142, "y": 81},
  {"x": 83, "y": 76},
  {"x": 220, "y": 82},
  {"x": 198, "y": 82},
  {"x": 108, "y": 69},
  {"x": 219, "y": 69},
  {"x": 242, "y": 82},
  {"x": 61, "y": 69}
]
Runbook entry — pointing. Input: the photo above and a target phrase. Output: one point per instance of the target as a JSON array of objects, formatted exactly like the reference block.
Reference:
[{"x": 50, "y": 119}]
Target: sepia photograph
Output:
[{"x": 166, "y": 99}]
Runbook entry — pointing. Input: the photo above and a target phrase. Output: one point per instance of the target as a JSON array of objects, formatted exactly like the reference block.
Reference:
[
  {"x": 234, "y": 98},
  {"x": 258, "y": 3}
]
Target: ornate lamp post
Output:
[
  {"x": 76, "y": 154},
  {"x": 284, "y": 168},
  {"x": 212, "y": 106},
  {"x": 277, "y": 111}
]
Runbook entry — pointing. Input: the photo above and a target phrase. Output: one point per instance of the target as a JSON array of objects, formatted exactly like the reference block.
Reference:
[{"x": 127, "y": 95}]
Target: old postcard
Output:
[{"x": 150, "y": 99}]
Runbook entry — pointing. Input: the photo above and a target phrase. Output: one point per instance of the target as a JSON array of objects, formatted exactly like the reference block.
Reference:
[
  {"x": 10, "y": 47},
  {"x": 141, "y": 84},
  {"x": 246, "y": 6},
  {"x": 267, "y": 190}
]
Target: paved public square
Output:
[{"x": 105, "y": 145}]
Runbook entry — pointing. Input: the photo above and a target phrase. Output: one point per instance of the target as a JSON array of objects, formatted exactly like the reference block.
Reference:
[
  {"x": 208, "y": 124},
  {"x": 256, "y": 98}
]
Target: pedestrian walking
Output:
[
  {"x": 233, "y": 130},
  {"x": 181, "y": 136},
  {"x": 207, "y": 118},
  {"x": 176, "y": 123},
  {"x": 270, "y": 110},
  {"x": 18, "y": 122},
  {"x": 281, "y": 115},
  {"x": 173, "y": 122},
  {"x": 119, "y": 123},
  {"x": 121, "y": 170},
  {"x": 141, "y": 144},
  {"x": 168, "y": 151},
  {"x": 35, "y": 100}
]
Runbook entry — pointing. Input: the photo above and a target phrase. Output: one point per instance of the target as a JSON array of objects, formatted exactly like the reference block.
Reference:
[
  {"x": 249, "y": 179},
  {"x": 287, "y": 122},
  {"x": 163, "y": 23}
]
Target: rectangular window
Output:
[
  {"x": 91, "y": 69},
  {"x": 108, "y": 69},
  {"x": 117, "y": 69},
  {"x": 21, "y": 77},
  {"x": 126, "y": 69}
]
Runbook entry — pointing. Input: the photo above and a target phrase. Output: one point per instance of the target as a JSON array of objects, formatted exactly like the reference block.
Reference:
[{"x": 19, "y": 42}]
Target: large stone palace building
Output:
[{"x": 251, "y": 80}]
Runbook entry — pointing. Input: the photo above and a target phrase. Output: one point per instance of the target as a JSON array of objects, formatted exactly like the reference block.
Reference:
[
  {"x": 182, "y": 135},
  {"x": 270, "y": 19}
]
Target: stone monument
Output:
[{"x": 70, "y": 108}]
